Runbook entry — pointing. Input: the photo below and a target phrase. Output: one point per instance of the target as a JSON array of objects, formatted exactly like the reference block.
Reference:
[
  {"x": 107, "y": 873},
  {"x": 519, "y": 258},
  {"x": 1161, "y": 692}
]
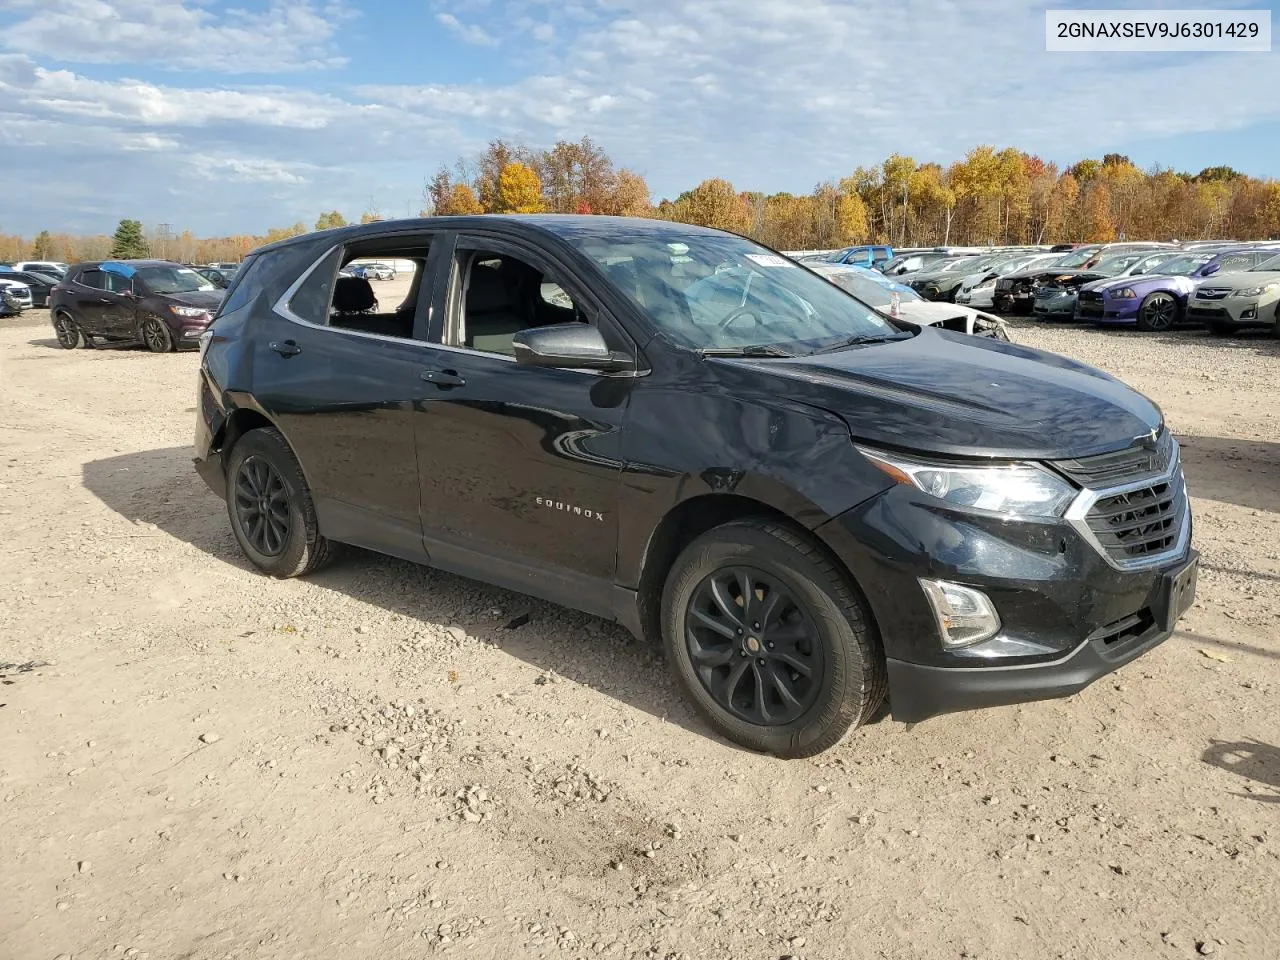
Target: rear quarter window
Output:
[{"x": 241, "y": 288}]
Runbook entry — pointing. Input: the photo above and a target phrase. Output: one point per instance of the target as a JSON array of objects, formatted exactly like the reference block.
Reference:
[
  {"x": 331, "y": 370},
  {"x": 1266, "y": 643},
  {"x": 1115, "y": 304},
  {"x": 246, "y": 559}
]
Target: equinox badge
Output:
[{"x": 570, "y": 508}]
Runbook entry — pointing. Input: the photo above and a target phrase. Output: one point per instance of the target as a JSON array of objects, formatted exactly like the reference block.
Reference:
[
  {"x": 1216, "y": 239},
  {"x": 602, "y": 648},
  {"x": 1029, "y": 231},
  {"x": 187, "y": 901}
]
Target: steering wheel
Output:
[{"x": 737, "y": 315}]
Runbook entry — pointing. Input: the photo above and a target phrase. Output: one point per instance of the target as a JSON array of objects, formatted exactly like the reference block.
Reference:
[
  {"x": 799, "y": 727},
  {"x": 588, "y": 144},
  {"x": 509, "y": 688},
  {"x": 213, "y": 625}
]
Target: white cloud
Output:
[
  {"x": 469, "y": 33},
  {"x": 242, "y": 170},
  {"x": 773, "y": 94},
  {"x": 288, "y": 35}
]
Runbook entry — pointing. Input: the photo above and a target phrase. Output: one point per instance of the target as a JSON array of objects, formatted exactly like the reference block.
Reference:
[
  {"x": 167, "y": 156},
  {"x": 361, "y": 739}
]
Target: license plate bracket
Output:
[{"x": 1180, "y": 591}]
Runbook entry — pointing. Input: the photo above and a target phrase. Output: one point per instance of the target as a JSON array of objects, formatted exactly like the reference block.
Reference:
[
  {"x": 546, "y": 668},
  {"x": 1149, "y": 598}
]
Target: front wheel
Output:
[
  {"x": 769, "y": 639},
  {"x": 270, "y": 507},
  {"x": 157, "y": 336},
  {"x": 1157, "y": 313}
]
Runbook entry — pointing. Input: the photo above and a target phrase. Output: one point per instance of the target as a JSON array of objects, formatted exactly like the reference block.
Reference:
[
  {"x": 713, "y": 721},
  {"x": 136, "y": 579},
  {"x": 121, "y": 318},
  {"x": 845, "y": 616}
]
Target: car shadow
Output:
[
  {"x": 159, "y": 487},
  {"x": 1251, "y": 759},
  {"x": 1252, "y": 477}
]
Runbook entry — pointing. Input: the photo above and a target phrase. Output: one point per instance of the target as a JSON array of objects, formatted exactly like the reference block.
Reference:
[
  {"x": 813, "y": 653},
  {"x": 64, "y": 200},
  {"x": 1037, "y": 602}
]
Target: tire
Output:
[
  {"x": 1158, "y": 313},
  {"x": 67, "y": 331},
  {"x": 298, "y": 548},
  {"x": 808, "y": 605},
  {"x": 156, "y": 335}
]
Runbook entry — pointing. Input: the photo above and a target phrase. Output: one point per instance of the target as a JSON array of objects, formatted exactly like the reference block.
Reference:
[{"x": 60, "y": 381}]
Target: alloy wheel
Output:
[
  {"x": 1160, "y": 312},
  {"x": 262, "y": 506},
  {"x": 754, "y": 648},
  {"x": 66, "y": 331},
  {"x": 155, "y": 336}
]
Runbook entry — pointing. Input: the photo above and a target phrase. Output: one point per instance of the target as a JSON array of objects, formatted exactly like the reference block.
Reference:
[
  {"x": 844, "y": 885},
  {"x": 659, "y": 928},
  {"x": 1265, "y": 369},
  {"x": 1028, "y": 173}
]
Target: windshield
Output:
[
  {"x": 173, "y": 280},
  {"x": 871, "y": 288},
  {"x": 1078, "y": 257},
  {"x": 1113, "y": 265},
  {"x": 712, "y": 291},
  {"x": 1272, "y": 264},
  {"x": 1181, "y": 266}
]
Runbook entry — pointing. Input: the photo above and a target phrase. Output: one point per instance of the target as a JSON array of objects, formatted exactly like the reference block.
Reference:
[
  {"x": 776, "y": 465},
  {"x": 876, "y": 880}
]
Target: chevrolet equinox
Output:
[{"x": 810, "y": 502}]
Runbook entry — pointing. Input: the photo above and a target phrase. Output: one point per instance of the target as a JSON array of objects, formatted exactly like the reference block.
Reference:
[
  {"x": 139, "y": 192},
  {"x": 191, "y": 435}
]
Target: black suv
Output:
[
  {"x": 809, "y": 502},
  {"x": 160, "y": 304}
]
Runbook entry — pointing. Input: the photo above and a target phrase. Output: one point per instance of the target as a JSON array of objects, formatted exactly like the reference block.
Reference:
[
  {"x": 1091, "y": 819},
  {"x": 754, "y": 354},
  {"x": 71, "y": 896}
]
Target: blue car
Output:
[{"x": 868, "y": 255}]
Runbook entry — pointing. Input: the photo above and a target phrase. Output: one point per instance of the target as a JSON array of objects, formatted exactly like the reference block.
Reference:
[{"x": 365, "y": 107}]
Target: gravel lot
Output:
[{"x": 199, "y": 762}]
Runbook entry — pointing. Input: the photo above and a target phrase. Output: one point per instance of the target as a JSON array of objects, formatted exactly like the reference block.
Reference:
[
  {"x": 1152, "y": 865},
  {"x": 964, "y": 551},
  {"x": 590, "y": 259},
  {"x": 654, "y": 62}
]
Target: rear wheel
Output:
[
  {"x": 1158, "y": 313},
  {"x": 157, "y": 336},
  {"x": 270, "y": 507},
  {"x": 769, "y": 639},
  {"x": 68, "y": 334}
]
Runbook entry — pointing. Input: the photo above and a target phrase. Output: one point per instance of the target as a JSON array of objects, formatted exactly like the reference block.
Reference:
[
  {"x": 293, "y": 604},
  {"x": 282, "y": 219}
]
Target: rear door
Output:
[
  {"x": 90, "y": 302},
  {"x": 341, "y": 385}
]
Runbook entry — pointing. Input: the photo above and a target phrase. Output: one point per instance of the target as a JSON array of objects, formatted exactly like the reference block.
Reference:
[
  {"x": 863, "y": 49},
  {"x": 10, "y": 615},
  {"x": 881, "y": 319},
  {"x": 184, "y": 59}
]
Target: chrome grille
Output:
[
  {"x": 1136, "y": 525},
  {"x": 1121, "y": 466},
  {"x": 1212, "y": 293},
  {"x": 1133, "y": 506}
]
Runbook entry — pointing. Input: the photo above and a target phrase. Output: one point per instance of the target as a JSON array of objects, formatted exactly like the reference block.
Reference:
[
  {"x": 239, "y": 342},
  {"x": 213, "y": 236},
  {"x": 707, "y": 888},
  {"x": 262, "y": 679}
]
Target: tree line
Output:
[{"x": 991, "y": 196}]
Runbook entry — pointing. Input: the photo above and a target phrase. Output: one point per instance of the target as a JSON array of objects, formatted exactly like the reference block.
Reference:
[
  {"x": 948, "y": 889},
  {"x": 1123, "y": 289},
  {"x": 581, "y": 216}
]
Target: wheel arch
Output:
[{"x": 690, "y": 519}]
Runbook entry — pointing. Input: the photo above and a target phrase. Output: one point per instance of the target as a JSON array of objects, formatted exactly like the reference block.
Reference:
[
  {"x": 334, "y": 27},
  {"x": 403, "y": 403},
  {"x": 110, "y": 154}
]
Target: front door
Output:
[
  {"x": 339, "y": 374},
  {"x": 520, "y": 466}
]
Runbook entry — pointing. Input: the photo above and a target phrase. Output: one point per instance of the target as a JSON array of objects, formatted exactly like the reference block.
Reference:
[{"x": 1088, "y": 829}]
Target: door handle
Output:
[
  {"x": 286, "y": 348},
  {"x": 444, "y": 378}
]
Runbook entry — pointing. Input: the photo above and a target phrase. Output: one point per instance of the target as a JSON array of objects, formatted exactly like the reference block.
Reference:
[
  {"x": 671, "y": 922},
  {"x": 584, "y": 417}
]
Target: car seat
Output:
[
  {"x": 497, "y": 308},
  {"x": 353, "y": 295}
]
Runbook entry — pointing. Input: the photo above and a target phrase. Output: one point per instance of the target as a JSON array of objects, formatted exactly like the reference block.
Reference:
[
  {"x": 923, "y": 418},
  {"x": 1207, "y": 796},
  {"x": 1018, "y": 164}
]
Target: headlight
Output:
[
  {"x": 1013, "y": 489},
  {"x": 985, "y": 283},
  {"x": 1125, "y": 294},
  {"x": 1257, "y": 291},
  {"x": 187, "y": 311}
]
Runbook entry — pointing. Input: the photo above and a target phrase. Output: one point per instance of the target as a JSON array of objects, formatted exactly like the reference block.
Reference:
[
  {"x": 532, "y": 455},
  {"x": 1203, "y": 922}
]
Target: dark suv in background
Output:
[
  {"x": 808, "y": 501},
  {"x": 163, "y": 305}
]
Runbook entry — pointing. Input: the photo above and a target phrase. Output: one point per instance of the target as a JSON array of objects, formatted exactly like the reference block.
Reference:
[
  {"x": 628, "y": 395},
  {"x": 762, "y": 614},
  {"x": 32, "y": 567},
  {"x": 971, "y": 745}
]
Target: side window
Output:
[
  {"x": 310, "y": 302},
  {"x": 1237, "y": 261},
  {"x": 117, "y": 283},
  {"x": 497, "y": 295},
  {"x": 93, "y": 278},
  {"x": 334, "y": 295}
]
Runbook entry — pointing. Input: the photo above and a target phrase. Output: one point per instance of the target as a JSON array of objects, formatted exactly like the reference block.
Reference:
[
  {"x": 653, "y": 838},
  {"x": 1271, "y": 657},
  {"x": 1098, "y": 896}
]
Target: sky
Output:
[{"x": 232, "y": 116}]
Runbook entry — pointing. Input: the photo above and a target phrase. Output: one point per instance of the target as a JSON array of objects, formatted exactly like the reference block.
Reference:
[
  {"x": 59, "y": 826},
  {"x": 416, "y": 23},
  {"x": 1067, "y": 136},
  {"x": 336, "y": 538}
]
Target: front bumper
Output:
[
  {"x": 1059, "y": 307},
  {"x": 1107, "y": 311},
  {"x": 1075, "y": 614},
  {"x": 919, "y": 691},
  {"x": 1233, "y": 312}
]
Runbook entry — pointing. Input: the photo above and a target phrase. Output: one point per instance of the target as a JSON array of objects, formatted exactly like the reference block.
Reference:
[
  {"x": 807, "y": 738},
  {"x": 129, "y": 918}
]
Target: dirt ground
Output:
[{"x": 199, "y": 762}]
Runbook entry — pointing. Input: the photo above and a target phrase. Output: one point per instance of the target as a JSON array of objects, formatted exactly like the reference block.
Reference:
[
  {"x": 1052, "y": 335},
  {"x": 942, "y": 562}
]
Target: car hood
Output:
[
  {"x": 929, "y": 312},
  {"x": 1034, "y": 272},
  {"x": 1241, "y": 281},
  {"x": 1142, "y": 285},
  {"x": 208, "y": 299},
  {"x": 951, "y": 393}
]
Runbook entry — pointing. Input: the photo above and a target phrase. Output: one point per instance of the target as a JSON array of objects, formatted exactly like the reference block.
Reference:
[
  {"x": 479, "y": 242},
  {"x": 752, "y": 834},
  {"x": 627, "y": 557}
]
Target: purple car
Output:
[{"x": 1156, "y": 301}]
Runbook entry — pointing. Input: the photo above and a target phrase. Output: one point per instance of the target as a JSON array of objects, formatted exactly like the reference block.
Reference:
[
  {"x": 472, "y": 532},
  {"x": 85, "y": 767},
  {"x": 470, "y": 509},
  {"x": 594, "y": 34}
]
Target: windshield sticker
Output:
[{"x": 769, "y": 260}]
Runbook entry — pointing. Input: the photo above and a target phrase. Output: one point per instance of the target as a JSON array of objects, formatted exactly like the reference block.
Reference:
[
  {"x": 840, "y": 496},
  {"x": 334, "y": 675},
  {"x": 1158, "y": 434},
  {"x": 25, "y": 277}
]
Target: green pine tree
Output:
[
  {"x": 42, "y": 246},
  {"x": 128, "y": 242}
]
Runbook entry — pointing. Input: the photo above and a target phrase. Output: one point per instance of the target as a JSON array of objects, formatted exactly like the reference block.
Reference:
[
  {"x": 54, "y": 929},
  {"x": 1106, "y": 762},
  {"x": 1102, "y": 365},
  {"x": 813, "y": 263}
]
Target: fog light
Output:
[
  {"x": 1250, "y": 314},
  {"x": 965, "y": 616}
]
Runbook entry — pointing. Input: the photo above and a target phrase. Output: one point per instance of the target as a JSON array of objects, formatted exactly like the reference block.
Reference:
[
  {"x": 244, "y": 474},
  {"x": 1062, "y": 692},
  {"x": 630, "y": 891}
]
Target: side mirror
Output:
[
  {"x": 1211, "y": 269},
  {"x": 577, "y": 346}
]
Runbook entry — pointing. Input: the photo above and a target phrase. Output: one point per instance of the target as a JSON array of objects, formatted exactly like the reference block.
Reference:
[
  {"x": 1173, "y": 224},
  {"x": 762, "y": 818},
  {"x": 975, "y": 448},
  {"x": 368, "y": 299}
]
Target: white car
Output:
[
  {"x": 19, "y": 291},
  {"x": 51, "y": 268},
  {"x": 876, "y": 290}
]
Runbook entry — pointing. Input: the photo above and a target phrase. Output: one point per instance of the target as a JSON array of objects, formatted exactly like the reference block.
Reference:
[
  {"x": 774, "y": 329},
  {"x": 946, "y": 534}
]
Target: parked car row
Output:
[{"x": 1152, "y": 285}]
